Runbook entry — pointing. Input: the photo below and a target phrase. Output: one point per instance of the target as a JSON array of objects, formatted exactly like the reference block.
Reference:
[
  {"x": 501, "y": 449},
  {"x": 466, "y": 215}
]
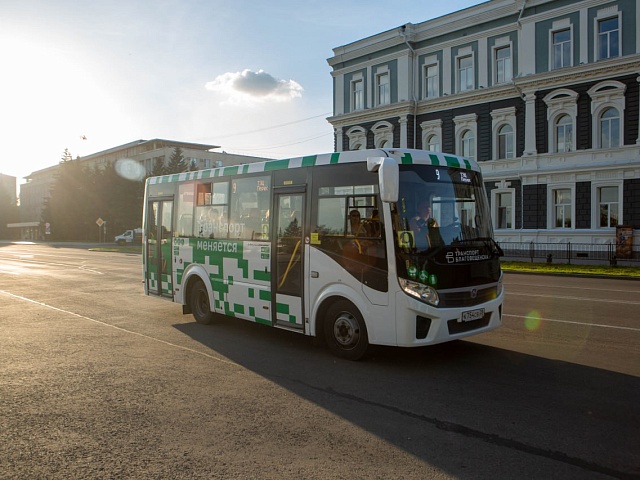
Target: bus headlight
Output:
[
  {"x": 422, "y": 292},
  {"x": 500, "y": 286}
]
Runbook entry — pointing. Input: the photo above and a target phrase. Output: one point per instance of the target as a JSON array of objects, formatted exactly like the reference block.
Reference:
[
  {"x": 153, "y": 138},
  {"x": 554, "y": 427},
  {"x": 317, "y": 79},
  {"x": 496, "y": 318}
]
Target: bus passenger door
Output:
[
  {"x": 159, "y": 248},
  {"x": 288, "y": 247}
]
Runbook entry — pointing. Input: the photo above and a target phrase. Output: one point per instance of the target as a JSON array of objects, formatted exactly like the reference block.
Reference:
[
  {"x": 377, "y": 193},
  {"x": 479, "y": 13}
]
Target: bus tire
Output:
[
  {"x": 345, "y": 331},
  {"x": 199, "y": 303}
]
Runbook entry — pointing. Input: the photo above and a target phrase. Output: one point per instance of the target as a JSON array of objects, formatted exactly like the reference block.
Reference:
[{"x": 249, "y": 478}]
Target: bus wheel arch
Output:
[{"x": 343, "y": 328}]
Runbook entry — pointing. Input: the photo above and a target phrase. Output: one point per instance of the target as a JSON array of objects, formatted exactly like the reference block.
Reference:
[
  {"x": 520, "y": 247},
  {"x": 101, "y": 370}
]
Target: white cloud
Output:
[{"x": 254, "y": 87}]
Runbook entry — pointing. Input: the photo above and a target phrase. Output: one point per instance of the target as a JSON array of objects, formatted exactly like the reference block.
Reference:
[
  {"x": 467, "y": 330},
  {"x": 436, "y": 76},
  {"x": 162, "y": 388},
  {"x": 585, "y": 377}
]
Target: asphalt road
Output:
[{"x": 99, "y": 381}]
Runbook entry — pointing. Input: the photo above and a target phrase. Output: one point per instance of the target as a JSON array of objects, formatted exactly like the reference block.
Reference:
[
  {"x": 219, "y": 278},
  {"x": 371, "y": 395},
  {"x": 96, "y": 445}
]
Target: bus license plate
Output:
[{"x": 472, "y": 315}]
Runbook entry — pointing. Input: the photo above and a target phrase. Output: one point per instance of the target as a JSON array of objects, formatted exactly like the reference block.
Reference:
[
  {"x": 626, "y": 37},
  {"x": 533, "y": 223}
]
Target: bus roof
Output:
[{"x": 402, "y": 156}]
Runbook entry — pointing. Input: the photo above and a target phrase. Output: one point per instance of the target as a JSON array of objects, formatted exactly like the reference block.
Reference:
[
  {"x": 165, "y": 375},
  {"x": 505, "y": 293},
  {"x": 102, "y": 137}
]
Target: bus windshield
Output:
[{"x": 441, "y": 207}]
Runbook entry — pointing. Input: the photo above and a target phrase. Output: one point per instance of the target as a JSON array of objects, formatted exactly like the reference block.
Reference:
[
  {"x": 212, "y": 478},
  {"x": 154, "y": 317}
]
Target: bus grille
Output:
[{"x": 466, "y": 298}]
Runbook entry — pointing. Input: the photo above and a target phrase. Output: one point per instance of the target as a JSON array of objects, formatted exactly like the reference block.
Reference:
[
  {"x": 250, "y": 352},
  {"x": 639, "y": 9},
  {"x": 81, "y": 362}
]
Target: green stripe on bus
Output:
[
  {"x": 260, "y": 275},
  {"x": 467, "y": 163},
  {"x": 309, "y": 161},
  {"x": 452, "y": 162},
  {"x": 407, "y": 159},
  {"x": 282, "y": 308},
  {"x": 276, "y": 165},
  {"x": 434, "y": 159},
  {"x": 264, "y": 295},
  {"x": 231, "y": 170},
  {"x": 335, "y": 158}
]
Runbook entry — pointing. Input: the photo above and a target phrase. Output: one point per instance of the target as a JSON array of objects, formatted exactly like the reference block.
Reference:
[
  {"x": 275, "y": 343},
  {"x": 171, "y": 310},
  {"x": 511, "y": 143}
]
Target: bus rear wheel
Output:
[
  {"x": 345, "y": 331},
  {"x": 199, "y": 303}
]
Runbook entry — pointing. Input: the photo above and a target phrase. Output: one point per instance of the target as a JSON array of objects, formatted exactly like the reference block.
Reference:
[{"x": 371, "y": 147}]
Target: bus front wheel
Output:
[
  {"x": 345, "y": 331},
  {"x": 199, "y": 303}
]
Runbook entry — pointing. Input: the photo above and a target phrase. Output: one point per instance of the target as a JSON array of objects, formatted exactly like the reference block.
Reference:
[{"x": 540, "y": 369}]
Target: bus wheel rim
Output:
[{"x": 346, "y": 330}]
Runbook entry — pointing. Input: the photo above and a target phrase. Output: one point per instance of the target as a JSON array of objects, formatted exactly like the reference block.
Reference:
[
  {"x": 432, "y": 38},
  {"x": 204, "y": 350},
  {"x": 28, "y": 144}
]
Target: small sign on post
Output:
[{"x": 99, "y": 222}]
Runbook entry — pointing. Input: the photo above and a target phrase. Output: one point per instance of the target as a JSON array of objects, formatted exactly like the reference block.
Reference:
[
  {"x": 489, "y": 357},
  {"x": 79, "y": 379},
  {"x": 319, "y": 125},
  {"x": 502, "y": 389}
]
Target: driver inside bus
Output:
[{"x": 421, "y": 222}]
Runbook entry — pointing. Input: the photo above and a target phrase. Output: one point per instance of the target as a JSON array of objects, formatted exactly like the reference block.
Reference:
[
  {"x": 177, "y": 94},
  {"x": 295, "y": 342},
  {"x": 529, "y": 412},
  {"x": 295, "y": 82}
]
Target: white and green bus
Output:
[{"x": 327, "y": 246}]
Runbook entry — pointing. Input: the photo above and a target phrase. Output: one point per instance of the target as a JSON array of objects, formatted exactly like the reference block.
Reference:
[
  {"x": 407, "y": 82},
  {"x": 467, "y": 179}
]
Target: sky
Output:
[{"x": 249, "y": 76}]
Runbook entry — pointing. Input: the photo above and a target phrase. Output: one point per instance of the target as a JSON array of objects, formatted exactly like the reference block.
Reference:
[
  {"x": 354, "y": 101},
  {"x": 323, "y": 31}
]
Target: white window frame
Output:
[
  {"x": 383, "y": 135},
  {"x": 495, "y": 211},
  {"x": 595, "y": 202},
  {"x": 462, "y": 55},
  {"x": 429, "y": 129},
  {"x": 508, "y": 71},
  {"x": 425, "y": 88},
  {"x": 383, "y": 99},
  {"x": 357, "y": 100},
  {"x": 499, "y": 118},
  {"x": 604, "y": 95},
  {"x": 603, "y": 15},
  {"x": 558, "y": 27},
  {"x": 551, "y": 205},
  {"x": 561, "y": 102},
  {"x": 464, "y": 123},
  {"x": 357, "y": 138}
]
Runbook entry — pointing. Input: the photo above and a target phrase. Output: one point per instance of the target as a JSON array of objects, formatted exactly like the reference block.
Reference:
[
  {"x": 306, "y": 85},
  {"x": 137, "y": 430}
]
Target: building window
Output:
[
  {"x": 504, "y": 209},
  {"x": 357, "y": 94},
  {"x": 562, "y": 208},
  {"x": 561, "y": 48},
  {"x": 431, "y": 135},
  {"x": 505, "y": 142},
  {"x": 465, "y": 73},
  {"x": 609, "y": 130},
  {"x": 609, "y": 203},
  {"x": 504, "y": 71},
  {"x": 431, "y": 81},
  {"x": 382, "y": 135},
  {"x": 383, "y": 89},
  {"x": 608, "y": 38},
  {"x": 468, "y": 145},
  {"x": 433, "y": 143},
  {"x": 564, "y": 134},
  {"x": 357, "y": 138},
  {"x": 466, "y": 130}
]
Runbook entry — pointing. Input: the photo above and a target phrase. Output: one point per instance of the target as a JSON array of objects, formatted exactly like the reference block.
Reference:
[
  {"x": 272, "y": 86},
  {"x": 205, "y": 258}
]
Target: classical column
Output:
[
  {"x": 403, "y": 131},
  {"x": 338, "y": 135},
  {"x": 530, "y": 124}
]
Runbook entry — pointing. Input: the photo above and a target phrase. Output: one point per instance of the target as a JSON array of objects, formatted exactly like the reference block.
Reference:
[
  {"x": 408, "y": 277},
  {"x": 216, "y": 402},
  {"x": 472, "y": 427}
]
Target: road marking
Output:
[
  {"x": 599, "y": 289},
  {"x": 575, "y": 323},
  {"x": 582, "y": 299},
  {"x": 131, "y": 332}
]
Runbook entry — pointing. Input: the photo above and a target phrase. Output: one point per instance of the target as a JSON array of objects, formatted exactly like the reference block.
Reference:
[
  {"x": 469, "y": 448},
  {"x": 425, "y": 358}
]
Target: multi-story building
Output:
[
  {"x": 147, "y": 153},
  {"x": 543, "y": 93}
]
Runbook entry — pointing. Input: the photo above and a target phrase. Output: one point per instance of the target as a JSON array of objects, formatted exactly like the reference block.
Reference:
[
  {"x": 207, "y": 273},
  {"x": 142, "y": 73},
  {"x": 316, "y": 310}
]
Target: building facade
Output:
[
  {"x": 146, "y": 153},
  {"x": 543, "y": 93}
]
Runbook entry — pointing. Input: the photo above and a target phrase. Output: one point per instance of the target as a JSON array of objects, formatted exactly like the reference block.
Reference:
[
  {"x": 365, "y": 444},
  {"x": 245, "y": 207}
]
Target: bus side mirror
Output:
[{"x": 388, "y": 177}]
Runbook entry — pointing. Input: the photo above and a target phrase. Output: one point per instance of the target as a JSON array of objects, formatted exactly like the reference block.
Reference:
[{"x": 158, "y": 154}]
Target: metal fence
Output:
[{"x": 570, "y": 252}]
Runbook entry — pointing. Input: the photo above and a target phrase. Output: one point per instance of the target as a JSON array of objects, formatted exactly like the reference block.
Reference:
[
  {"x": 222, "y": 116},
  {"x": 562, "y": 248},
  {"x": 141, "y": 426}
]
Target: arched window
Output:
[
  {"x": 505, "y": 142},
  {"x": 564, "y": 134},
  {"x": 609, "y": 129},
  {"x": 468, "y": 145},
  {"x": 433, "y": 143}
]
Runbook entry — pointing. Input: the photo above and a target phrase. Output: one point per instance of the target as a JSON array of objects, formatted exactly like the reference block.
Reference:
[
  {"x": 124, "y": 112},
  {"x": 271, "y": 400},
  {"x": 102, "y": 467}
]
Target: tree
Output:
[
  {"x": 158, "y": 167},
  {"x": 67, "y": 206},
  {"x": 177, "y": 162},
  {"x": 82, "y": 195}
]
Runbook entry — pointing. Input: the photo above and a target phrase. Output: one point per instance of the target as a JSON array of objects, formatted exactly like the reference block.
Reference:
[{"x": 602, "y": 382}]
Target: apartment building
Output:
[
  {"x": 146, "y": 153},
  {"x": 544, "y": 94}
]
